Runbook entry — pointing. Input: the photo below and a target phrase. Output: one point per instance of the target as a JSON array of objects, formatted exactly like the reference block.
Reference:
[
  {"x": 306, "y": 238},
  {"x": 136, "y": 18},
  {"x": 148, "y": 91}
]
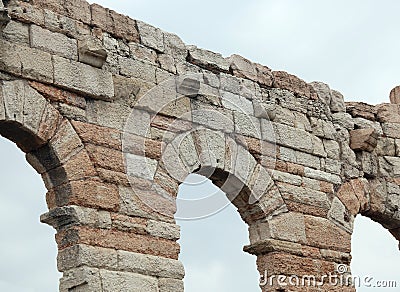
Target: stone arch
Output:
[{"x": 54, "y": 150}]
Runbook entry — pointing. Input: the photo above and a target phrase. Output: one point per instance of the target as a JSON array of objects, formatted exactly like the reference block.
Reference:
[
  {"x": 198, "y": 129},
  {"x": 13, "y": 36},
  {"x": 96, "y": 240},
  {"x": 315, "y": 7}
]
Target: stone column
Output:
[{"x": 297, "y": 252}]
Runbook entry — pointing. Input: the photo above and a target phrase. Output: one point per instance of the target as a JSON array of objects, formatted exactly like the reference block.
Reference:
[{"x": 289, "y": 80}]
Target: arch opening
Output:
[
  {"x": 375, "y": 261},
  {"x": 212, "y": 245},
  {"x": 28, "y": 250}
]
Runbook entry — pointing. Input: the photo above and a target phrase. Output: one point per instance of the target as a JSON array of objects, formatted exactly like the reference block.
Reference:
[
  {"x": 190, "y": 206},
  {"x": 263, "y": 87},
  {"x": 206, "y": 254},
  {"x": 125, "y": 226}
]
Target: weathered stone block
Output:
[
  {"x": 292, "y": 83},
  {"x": 122, "y": 281},
  {"x": 247, "y": 125},
  {"x": 388, "y": 113},
  {"x": 170, "y": 285},
  {"x": 207, "y": 59},
  {"x": 16, "y": 32},
  {"x": 337, "y": 102},
  {"x": 391, "y": 130},
  {"x": 150, "y": 265},
  {"x": 54, "y": 43},
  {"x": 340, "y": 216},
  {"x": 289, "y": 227},
  {"x": 137, "y": 69},
  {"x": 322, "y": 233},
  {"x": 83, "y": 78},
  {"x": 150, "y": 36},
  {"x": 363, "y": 139},
  {"x": 117, "y": 24},
  {"x": 323, "y": 91},
  {"x": 395, "y": 95},
  {"x": 92, "y": 52}
]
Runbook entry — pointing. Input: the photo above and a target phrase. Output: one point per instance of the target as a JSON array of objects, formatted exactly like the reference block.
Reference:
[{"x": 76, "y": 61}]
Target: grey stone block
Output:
[{"x": 83, "y": 78}]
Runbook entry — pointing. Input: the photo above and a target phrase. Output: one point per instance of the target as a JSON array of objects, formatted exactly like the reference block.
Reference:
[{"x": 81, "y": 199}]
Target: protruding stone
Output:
[
  {"x": 243, "y": 68},
  {"x": 337, "y": 102},
  {"x": 207, "y": 59},
  {"x": 323, "y": 91},
  {"x": 363, "y": 139},
  {"x": 395, "y": 95},
  {"x": 189, "y": 87},
  {"x": 92, "y": 52}
]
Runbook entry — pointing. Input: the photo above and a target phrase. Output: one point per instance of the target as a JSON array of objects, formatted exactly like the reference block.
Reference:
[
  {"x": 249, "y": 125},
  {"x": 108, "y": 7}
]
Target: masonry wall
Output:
[{"x": 114, "y": 114}]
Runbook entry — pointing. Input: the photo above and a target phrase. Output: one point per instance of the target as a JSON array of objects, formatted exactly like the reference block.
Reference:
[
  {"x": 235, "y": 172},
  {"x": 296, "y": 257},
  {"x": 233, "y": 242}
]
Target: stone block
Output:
[
  {"x": 113, "y": 281},
  {"x": 137, "y": 69},
  {"x": 362, "y": 110},
  {"x": 207, "y": 59},
  {"x": 119, "y": 25},
  {"x": 304, "y": 196},
  {"x": 106, "y": 158},
  {"x": 163, "y": 230},
  {"x": 83, "y": 78},
  {"x": 119, "y": 240},
  {"x": 65, "y": 217},
  {"x": 395, "y": 95},
  {"x": 343, "y": 119},
  {"x": 391, "y": 130},
  {"x": 139, "y": 166},
  {"x": 151, "y": 36},
  {"x": 16, "y": 32},
  {"x": 247, "y": 125},
  {"x": 25, "y": 61},
  {"x": 174, "y": 46},
  {"x": 340, "y": 216},
  {"x": 170, "y": 285},
  {"x": 289, "y": 227},
  {"x": 84, "y": 255},
  {"x": 363, "y": 139},
  {"x": 323, "y": 91},
  {"x": 332, "y": 149},
  {"x": 210, "y": 148},
  {"x": 140, "y": 52},
  {"x": 102, "y": 136},
  {"x": 294, "y": 84},
  {"x": 237, "y": 103},
  {"x": 65, "y": 142},
  {"x": 291, "y": 137},
  {"x": 81, "y": 279},
  {"x": 150, "y": 265},
  {"x": 13, "y": 96},
  {"x": 388, "y": 113},
  {"x": 92, "y": 52},
  {"x": 88, "y": 193},
  {"x": 167, "y": 63},
  {"x": 337, "y": 102},
  {"x": 361, "y": 123},
  {"x": 216, "y": 119},
  {"x": 54, "y": 43},
  {"x": 322, "y": 233},
  {"x": 320, "y": 175},
  {"x": 369, "y": 163}
]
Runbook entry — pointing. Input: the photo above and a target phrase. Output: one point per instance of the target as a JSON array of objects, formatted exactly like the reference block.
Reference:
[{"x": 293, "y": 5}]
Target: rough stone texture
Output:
[{"x": 93, "y": 98}]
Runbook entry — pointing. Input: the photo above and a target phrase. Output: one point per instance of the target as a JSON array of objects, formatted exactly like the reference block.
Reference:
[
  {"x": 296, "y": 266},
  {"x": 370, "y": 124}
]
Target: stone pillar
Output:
[
  {"x": 297, "y": 252},
  {"x": 105, "y": 251}
]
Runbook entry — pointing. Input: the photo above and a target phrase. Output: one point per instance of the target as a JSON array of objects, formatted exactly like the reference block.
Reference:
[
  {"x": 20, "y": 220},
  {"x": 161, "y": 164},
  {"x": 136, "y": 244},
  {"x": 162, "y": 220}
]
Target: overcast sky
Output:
[{"x": 353, "y": 46}]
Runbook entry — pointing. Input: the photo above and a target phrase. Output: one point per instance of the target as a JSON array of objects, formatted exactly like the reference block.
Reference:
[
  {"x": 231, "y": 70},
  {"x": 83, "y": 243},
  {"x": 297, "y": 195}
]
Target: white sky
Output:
[{"x": 353, "y": 46}]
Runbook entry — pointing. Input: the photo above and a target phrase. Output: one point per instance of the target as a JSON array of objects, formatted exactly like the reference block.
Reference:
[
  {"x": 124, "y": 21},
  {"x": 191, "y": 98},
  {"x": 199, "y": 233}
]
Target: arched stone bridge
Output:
[{"x": 114, "y": 114}]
